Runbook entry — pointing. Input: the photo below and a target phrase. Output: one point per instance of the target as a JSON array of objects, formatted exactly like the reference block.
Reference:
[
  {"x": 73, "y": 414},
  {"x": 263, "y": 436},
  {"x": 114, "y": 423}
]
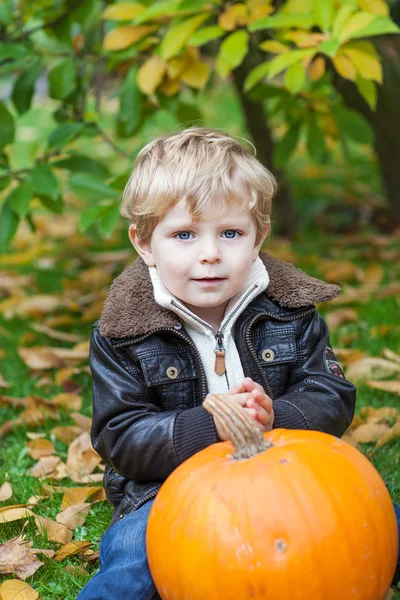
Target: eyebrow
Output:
[{"x": 189, "y": 225}]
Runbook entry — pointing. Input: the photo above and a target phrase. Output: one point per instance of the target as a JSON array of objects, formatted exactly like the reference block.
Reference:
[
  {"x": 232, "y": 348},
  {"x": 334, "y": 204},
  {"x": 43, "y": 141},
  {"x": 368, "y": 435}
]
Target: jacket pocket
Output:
[
  {"x": 277, "y": 356},
  {"x": 167, "y": 368}
]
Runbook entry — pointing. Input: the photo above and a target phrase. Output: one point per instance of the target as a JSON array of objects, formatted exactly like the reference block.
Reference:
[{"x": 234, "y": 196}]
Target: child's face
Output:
[{"x": 187, "y": 252}]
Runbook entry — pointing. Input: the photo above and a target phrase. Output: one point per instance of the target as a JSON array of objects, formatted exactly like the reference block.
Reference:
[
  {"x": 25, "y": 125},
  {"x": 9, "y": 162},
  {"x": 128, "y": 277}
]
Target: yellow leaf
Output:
[
  {"x": 14, "y": 589},
  {"x": 365, "y": 368},
  {"x": 123, "y": 11},
  {"x": 236, "y": 14},
  {"x": 177, "y": 36},
  {"x": 365, "y": 60},
  {"x": 305, "y": 39},
  {"x": 274, "y": 47},
  {"x": 388, "y": 386},
  {"x": 170, "y": 87},
  {"x": 344, "y": 315},
  {"x": 317, "y": 68},
  {"x": 70, "y": 549},
  {"x": 122, "y": 37},
  {"x": 14, "y": 514},
  {"x": 369, "y": 432},
  {"x": 392, "y": 434},
  {"x": 39, "y": 448},
  {"x": 355, "y": 23},
  {"x": 377, "y": 7},
  {"x": 344, "y": 67},
  {"x": 196, "y": 75},
  {"x": 150, "y": 74},
  {"x": 379, "y": 415}
]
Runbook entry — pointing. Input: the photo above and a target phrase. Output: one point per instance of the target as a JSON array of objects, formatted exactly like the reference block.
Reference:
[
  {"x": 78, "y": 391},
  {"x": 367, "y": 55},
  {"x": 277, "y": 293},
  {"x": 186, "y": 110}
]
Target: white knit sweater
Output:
[{"x": 203, "y": 334}]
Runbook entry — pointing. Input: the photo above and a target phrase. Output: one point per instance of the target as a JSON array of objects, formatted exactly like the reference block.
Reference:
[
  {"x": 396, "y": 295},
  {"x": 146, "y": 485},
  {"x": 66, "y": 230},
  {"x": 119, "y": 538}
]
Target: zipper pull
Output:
[{"x": 219, "y": 366}]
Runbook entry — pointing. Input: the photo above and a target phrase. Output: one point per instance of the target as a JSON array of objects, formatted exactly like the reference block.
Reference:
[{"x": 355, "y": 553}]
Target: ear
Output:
[
  {"x": 257, "y": 248},
  {"x": 143, "y": 249}
]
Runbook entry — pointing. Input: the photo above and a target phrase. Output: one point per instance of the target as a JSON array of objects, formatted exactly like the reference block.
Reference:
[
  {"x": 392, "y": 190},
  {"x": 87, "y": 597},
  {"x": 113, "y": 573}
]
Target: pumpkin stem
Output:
[{"x": 245, "y": 436}]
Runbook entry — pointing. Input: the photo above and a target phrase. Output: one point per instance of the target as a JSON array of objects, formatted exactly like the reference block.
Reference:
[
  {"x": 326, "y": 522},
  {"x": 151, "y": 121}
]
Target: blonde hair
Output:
[{"x": 207, "y": 168}]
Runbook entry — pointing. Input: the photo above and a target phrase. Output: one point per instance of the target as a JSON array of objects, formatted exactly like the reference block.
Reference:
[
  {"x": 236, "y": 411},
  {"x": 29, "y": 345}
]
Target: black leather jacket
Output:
[{"x": 145, "y": 423}]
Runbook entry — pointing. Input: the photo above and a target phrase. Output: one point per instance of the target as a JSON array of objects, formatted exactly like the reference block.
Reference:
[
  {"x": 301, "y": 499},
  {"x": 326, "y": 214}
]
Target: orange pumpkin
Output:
[{"x": 285, "y": 514}]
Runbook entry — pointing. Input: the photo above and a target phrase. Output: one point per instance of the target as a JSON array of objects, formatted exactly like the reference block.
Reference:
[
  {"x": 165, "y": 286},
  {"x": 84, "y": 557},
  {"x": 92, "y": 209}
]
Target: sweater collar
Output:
[
  {"x": 256, "y": 283},
  {"x": 130, "y": 309}
]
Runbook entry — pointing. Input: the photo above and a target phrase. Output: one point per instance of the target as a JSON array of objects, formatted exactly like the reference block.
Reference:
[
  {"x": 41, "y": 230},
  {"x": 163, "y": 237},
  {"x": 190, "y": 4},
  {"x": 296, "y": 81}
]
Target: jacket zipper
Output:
[
  {"x": 184, "y": 337},
  {"x": 219, "y": 365},
  {"x": 253, "y": 352}
]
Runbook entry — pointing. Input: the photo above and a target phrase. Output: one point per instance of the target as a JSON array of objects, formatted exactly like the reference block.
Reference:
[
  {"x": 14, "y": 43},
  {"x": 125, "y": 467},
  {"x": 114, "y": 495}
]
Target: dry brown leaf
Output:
[
  {"x": 77, "y": 495},
  {"x": 70, "y": 549},
  {"x": 365, "y": 368},
  {"x": 99, "y": 496},
  {"x": 4, "y": 383},
  {"x": 40, "y": 358},
  {"x": 347, "y": 437},
  {"x": 377, "y": 415},
  {"x": 356, "y": 422},
  {"x": 76, "y": 570},
  {"x": 66, "y": 433},
  {"x": 337, "y": 271},
  {"x": 82, "y": 421},
  {"x": 5, "y": 491},
  {"x": 39, "y": 448},
  {"x": 372, "y": 275},
  {"x": 369, "y": 432},
  {"x": 45, "y": 466},
  {"x": 14, "y": 589},
  {"x": 14, "y": 514},
  {"x": 392, "y": 434},
  {"x": 90, "y": 555},
  {"x": 82, "y": 459},
  {"x": 56, "y": 532},
  {"x": 92, "y": 478},
  {"x": 387, "y": 386},
  {"x": 344, "y": 315},
  {"x": 12, "y": 401},
  {"x": 74, "y": 516},
  {"x": 352, "y": 295},
  {"x": 393, "y": 289},
  {"x": 55, "y": 334},
  {"x": 35, "y": 435},
  {"x": 68, "y": 401},
  {"x": 348, "y": 355},
  {"x": 10, "y": 506},
  {"x": 390, "y": 355},
  {"x": 20, "y": 306},
  {"x": 16, "y": 558}
]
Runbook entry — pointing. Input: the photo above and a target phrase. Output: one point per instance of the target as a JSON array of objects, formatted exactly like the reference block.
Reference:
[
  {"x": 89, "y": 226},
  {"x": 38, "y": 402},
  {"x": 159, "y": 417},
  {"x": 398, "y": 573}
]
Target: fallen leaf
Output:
[
  {"x": 16, "y": 558},
  {"x": 40, "y": 358},
  {"x": 369, "y": 432},
  {"x": 39, "y": 448},
  {"x": 392, "y": 434},
  {"x": 4, "y": 383},
  {"x": 82, "y": 421},
  {"x": 5, "y": 491},
  {"x": 337, "y": 271},
  {"x": 387, "y": 386},
  {"x": 377, "y": 415},
  {"x": 390, "y": 355},
  {"x": 14, "y": 514},
  {"x": 56, "y": 532},
  {"x": 348, "y": 355},
  {"x": 74, "y": 516},
  {"x": 68, "y": 401},
  {"x": 70, "y": 549},
  {"x": 372, "y": 275},
  {"x": 344, "y": 315},
  {"x": 66, "y": 433},
  {"x": 347, "y": 437},
  {"x": 57, "y": 335},
  {"x": 76, "y": 570},
  {"x": 13, "y": 589},
  {"x": 45, "y": 466},
  {"x": 365, "y": 368},
  {"x": 77, "y": 495},
  {"x": 82, "y": 459}
]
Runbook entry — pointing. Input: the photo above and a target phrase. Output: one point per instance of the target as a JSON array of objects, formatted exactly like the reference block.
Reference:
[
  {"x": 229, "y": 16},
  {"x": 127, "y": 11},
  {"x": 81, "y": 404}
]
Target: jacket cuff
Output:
[
  {"x": 288, "y": 416},
  {"x": 194, "y": 431}
]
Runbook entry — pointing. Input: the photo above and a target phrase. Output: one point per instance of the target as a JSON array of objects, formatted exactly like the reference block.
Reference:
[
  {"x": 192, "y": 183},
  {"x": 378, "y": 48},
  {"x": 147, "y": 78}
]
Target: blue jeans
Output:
[{"x": 124, "y": 573}]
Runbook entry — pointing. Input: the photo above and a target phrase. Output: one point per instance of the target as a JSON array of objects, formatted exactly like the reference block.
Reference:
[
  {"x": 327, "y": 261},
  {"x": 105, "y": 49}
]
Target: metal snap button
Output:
[
  {"x": 178, "y": 326},
  {"x": 268, "y": 355},
  {"x": 172, "y": 372}
]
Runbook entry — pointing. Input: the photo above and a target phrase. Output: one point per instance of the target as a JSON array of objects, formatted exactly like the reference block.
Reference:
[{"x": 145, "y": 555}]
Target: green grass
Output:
[{"x": 221, "y": 110}]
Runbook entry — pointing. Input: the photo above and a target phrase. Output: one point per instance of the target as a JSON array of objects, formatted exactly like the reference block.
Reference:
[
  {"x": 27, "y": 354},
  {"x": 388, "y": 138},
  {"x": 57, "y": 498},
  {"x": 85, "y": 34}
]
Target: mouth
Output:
[{"x": 211, "y": 279}]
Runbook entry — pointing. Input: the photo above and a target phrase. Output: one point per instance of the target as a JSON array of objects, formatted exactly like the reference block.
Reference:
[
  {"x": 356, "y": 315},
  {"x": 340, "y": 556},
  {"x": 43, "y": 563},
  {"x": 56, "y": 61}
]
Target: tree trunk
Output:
[
  {"x": 257, "y": 126},
  {"x": 385, "y": 120}
]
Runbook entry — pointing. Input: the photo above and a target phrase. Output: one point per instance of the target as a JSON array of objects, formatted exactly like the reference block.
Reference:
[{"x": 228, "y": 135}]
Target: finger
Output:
[
  {"x": 250, "y": 385},
  {"x": 241, "y": 399},
  {"x": 253, "y": 415},
  {"x": 262, "y": 399},
  {"x": 236, "y": 389}
]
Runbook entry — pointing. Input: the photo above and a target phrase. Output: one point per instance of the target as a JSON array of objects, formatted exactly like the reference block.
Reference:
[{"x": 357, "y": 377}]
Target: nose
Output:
[{"x": 210, "y": 252}]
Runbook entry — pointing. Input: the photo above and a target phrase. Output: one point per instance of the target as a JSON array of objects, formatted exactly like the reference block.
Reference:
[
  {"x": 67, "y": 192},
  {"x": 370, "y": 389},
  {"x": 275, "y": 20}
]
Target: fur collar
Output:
[{"x": 131, "y": 310}]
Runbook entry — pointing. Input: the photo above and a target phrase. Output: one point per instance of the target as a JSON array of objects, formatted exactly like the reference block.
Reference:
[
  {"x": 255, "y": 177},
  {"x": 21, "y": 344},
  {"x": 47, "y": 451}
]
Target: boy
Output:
[{"x": 199, "y": 311}]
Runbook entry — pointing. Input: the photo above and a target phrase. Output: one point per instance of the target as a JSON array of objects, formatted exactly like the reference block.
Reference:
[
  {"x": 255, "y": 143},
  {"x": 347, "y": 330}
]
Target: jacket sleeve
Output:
[
  {"x": 129, "y": 431},
  {"x": 315, "y": 397}
]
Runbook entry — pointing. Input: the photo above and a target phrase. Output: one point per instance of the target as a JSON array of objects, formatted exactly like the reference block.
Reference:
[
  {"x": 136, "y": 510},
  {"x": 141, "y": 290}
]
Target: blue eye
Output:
[
  {"x": 183, "y": 235},
  {"x": 231, "y": 233}
]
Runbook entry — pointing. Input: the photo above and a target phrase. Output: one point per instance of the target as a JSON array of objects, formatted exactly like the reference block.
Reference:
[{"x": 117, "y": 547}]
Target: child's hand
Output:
[{"x": 258, "y": 404}]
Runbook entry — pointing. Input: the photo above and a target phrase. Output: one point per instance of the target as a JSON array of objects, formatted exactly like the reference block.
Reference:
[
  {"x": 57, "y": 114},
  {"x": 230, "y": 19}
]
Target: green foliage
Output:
[{"x": 148, "y": 56}]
